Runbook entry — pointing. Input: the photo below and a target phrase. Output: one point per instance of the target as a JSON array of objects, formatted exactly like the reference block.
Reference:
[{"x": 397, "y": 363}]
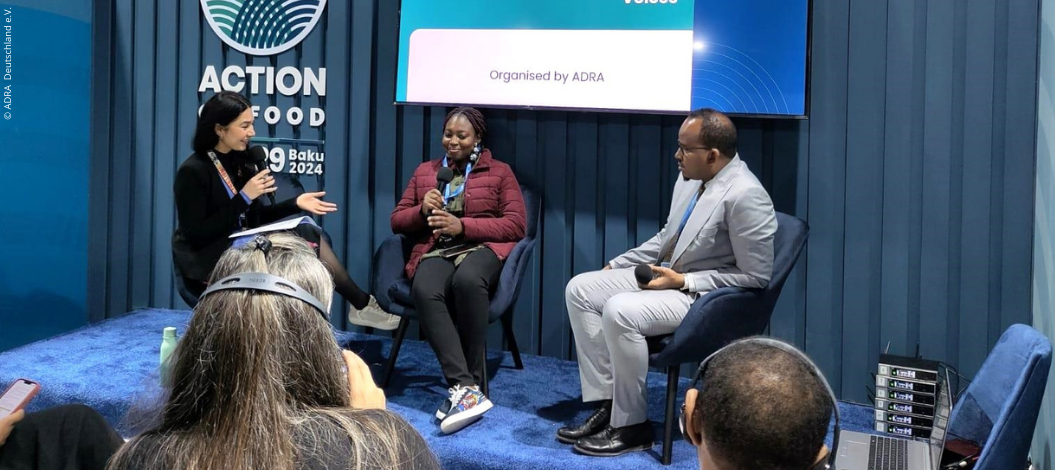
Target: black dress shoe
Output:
[
  {"x": 616, "y": 441},
  {"x": 593, "y": 425}
]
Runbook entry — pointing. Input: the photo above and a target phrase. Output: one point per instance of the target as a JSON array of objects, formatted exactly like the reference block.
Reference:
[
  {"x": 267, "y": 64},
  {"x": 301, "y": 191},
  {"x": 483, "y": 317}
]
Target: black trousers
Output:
[
  {"x": 71, "y": 437},
  {"x": 453, "y": 305}
]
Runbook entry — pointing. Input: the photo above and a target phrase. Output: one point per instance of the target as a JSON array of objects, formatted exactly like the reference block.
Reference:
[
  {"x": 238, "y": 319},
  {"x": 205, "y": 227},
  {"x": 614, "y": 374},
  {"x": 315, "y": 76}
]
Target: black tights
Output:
[{"x": 342, "y": 282}]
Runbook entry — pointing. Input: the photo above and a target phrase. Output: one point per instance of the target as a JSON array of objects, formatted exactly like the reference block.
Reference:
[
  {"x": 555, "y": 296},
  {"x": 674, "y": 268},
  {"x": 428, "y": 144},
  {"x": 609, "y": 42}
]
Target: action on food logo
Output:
[{"x": 262, "y": 27}]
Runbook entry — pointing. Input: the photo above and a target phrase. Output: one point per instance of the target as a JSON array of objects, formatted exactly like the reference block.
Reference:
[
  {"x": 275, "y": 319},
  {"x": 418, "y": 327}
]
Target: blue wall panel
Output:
[
  {"x": 827, "y": 187},
  {"x": 977, "y": 144},
  {"x": 864, "y": 185},
  {"x": 1044, "y": 229},
  {"x": 44, "y": 168},
  {"x": 936, "y": 207},
  {"x": 914, "y": 170}
]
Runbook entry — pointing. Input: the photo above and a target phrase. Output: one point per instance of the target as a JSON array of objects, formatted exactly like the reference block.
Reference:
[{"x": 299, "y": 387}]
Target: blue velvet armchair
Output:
[
  {"x": 725, "y": 315},
  {"x": 183, "y": 287},
  {"x": 999, "y": 409},
  {"x": 392, "y": 288}
]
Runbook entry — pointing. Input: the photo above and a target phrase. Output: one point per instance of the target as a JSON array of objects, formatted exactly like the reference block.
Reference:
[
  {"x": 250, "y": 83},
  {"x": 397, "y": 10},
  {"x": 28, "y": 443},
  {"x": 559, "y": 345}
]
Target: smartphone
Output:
[{"x": 17, "y": 396}]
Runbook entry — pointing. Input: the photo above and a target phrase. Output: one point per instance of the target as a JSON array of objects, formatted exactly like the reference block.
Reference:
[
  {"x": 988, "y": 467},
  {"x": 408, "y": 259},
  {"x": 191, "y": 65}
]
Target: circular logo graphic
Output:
[{"x": 262, "y": 27}]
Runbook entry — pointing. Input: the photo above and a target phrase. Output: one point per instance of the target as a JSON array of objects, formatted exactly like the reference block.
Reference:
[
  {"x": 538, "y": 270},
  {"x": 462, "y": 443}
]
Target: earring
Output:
[{"x": 476, "y": 153}]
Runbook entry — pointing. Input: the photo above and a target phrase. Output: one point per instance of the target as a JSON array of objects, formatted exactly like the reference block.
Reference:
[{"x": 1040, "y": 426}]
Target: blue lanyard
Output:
[
  {"x": 684, "y": 220},
  {"x": 688, "y": 212},
  {"x": 447, "y": 194}
]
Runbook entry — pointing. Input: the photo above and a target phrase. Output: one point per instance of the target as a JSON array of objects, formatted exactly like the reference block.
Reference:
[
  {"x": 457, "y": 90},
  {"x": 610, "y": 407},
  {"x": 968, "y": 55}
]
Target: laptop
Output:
[{"x": 860, "y": 451}]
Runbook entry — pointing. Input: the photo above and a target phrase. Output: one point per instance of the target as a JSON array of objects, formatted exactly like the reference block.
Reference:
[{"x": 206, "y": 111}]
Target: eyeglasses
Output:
[
  {"x": 685, "y": 150},
  {"x": 694, "y": 384}
]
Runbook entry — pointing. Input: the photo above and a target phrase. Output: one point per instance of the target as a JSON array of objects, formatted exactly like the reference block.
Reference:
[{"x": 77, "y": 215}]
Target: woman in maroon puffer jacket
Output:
[{"x": 462, "y": 233}]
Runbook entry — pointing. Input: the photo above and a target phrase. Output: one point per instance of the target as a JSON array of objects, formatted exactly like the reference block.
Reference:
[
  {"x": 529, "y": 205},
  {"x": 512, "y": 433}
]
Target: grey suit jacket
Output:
[{"x": 728, "y": 239}]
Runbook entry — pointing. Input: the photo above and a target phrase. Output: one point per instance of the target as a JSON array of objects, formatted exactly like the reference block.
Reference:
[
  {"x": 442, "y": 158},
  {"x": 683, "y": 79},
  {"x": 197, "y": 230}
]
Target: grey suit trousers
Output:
[{"x": 610, "y": 317}]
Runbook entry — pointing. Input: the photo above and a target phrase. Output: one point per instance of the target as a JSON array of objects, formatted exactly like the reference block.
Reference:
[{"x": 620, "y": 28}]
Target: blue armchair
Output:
[
  {"x": 186, "y": 288},
  {"x": 392, "y": 288},
  {"x": 725, "y": 315},
  {"x": 999, "y": 409}
]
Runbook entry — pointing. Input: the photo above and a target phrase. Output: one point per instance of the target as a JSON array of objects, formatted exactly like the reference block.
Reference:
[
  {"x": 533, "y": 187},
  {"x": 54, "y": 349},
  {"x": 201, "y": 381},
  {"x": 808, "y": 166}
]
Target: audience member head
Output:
[
  {"x": 463, "y": 132},
  {"x": 252, "y": 368},
  {"x": 706, "y": 143},
  {"x": 225, "y": 123},
  {"x": 758, "y": 406}
]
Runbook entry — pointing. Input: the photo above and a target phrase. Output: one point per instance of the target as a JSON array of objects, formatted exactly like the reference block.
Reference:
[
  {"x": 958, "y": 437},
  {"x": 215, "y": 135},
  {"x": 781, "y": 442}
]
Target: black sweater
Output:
[{"x": 207, "y": 215}]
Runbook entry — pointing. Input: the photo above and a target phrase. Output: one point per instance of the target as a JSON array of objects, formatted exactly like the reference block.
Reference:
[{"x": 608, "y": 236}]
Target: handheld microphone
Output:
[
  {"x": 443, "y": 178},
  {"x": 258, "y": 156},
  {"x": 643, "y": 273}
]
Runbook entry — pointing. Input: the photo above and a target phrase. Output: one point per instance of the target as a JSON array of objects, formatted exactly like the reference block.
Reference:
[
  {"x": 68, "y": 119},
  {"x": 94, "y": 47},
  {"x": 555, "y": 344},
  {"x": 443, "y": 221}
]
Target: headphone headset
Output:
[
  {"x": 828, "y": 462},
  {"x": 267, "y": 283}
]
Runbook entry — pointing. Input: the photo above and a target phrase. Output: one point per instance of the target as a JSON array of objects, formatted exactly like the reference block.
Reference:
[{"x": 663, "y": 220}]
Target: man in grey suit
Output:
[{"x": 719, "y": 233}]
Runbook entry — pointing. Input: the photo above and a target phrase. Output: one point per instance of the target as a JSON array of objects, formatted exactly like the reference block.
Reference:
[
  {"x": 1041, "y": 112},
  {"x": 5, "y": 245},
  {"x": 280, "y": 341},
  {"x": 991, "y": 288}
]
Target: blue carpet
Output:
[{"x": 113, "y": 364}]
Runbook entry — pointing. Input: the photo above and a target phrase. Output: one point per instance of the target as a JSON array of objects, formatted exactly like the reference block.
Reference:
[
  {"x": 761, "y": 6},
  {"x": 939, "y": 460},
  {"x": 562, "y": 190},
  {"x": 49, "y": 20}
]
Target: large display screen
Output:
[{"x": 746, "y": 57}]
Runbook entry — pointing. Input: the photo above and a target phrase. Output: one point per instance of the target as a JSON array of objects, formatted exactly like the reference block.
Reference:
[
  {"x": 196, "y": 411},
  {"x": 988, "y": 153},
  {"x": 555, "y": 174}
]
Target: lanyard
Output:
[
  {"x": 688, "y": 212},
  {"x": 663, "y": 261},
  {"x": 223, "y": 174},
  {"x": 447, "y": 194},
  {"x": 228, "y": 185}
]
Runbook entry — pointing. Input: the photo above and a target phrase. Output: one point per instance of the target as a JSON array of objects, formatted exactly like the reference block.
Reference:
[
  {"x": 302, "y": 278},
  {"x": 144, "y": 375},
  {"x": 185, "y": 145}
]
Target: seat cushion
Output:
[{"x": 399, "y": 291}]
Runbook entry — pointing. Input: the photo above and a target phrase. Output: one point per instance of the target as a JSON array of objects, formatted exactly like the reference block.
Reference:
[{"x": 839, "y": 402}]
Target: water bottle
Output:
[{"x": 168, "y": 344}]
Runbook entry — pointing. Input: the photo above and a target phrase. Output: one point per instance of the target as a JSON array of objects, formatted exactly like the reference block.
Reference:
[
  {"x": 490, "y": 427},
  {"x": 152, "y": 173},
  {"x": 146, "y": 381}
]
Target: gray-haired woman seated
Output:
[{"x": 258, "y": 380}]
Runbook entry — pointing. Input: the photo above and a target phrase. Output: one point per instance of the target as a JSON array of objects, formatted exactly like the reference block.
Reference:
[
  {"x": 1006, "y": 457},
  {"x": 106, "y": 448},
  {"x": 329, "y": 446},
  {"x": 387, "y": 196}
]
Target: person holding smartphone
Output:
[{"x": 7, "y": 423}]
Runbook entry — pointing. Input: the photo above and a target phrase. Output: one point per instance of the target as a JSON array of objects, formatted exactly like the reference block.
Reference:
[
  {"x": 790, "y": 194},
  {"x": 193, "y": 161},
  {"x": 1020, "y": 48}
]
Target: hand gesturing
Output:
[{"x": 311, "y": 202}]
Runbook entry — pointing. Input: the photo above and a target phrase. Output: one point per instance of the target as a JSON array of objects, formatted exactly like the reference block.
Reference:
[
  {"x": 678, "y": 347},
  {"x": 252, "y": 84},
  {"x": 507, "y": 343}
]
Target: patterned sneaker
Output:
[
  {"x": 373, "y": 316},
  {"x": 469, "y": 405},
  {"x": 445, "y": 407}
]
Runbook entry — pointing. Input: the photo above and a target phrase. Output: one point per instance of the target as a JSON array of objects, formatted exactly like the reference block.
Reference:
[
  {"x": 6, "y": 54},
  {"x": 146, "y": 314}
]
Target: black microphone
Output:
[
  {"x": 444, "y": 177},
  {"x": 258, "y": 156},
  {"x": 643, "y": 273}
]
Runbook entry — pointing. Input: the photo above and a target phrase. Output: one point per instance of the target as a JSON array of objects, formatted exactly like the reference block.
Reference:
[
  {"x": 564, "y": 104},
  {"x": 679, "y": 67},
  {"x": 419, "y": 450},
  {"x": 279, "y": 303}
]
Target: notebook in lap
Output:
[{"x": 860, "y": 451}]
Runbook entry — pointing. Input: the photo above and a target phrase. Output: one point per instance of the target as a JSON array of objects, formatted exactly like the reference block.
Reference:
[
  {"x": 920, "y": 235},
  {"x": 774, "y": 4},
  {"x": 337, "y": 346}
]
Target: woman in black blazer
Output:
[{"x": 218, "y": 192}]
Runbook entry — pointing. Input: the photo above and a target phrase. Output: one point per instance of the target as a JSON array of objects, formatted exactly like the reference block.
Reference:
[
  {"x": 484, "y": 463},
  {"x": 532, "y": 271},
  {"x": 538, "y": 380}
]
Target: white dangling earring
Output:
[{"x": 476, "y": 153}]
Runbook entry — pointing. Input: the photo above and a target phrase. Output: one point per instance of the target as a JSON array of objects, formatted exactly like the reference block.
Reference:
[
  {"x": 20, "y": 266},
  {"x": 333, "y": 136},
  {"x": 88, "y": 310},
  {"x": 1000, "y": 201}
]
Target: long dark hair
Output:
[{"x": 223, "y": 108}]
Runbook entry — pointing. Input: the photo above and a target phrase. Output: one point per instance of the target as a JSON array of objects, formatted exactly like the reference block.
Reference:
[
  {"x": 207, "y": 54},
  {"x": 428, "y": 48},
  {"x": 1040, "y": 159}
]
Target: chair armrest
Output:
[
  {"x": 714, "y": 320},
  {"x": 389, "y": 263}
]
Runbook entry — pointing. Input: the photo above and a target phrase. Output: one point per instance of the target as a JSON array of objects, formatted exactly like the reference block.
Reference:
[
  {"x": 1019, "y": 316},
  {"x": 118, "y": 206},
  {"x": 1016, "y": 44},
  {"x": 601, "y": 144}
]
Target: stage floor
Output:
[{"x": 113, "y": 364}]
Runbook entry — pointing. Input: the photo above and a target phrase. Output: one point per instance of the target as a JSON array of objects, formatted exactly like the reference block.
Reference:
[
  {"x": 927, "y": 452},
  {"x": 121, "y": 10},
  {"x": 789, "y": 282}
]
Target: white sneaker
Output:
[{"x": 373, "y": 316}]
